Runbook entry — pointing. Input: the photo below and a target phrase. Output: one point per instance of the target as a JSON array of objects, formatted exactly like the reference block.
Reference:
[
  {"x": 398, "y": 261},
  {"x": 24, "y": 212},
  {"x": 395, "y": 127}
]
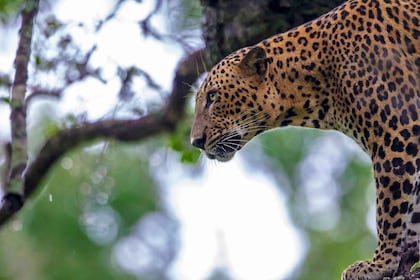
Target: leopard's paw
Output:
[{"x": 367, "y": 270}]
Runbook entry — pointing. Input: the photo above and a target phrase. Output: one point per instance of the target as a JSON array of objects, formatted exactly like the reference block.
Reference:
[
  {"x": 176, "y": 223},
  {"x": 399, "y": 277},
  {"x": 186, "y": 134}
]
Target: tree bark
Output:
[
  {"x": 232, "y": 24},
  {"x": 17, "y": 153}
]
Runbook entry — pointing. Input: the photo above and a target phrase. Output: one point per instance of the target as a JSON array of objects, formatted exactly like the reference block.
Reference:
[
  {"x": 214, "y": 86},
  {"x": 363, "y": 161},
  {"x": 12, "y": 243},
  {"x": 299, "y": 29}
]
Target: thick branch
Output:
[{"x": 123, "y": 130}]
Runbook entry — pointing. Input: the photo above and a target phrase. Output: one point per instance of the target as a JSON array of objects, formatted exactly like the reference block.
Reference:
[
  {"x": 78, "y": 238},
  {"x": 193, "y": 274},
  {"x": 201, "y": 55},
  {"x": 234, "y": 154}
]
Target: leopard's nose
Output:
[{"x": 199, "y": 142}]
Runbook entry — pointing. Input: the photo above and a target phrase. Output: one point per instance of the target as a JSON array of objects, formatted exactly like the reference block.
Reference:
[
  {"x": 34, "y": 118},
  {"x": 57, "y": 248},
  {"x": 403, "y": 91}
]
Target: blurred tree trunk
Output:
[{"x": 231, "y": 24}]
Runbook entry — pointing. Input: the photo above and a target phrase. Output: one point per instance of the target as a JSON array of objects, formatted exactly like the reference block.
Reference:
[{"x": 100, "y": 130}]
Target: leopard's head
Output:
[{"x": 232, "y": 104}]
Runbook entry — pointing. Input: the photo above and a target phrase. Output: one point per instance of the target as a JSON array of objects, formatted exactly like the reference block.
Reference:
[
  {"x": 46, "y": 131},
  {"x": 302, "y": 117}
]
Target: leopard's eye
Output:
[{"x": 211, "y": 97}]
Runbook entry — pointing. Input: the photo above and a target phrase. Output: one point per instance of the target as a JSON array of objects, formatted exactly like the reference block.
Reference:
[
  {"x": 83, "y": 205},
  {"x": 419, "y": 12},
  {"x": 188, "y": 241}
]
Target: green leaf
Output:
[
  {"x": 37, "y": 60},
  {"x": 175, "y": 143},
  {"x": 51, "y": 128},
  {"x": 415, "y": 267},
  {"x": 5, "y": 100},
  {"x": 190, "y": 156},
  {"x": 9, "y": 9}
]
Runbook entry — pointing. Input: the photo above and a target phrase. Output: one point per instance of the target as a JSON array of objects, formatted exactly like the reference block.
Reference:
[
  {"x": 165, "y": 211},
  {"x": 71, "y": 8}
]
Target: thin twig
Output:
[{"x": 35, "y": 93}]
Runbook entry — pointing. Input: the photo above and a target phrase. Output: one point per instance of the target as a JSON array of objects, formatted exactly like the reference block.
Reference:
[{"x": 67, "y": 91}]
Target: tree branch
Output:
[
  {"x": 166, "y": 120},
  {"x": 19, "y": 155},
  {"x": 12, "y": 202}
]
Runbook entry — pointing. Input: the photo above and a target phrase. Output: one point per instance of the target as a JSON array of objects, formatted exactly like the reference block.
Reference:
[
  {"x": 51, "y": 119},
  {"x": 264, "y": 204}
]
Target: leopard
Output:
[{"x": 355, "y": 69}]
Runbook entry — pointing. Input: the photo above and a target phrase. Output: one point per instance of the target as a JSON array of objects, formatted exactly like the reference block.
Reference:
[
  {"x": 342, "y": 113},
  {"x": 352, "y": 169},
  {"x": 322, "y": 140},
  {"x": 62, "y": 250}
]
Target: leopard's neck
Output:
[{"x": 317, "y": 78}]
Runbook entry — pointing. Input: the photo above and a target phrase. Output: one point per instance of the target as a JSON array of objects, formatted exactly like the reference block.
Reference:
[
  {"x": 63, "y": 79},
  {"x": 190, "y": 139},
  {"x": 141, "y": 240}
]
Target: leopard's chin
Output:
[{"x": 220, "y": 157}]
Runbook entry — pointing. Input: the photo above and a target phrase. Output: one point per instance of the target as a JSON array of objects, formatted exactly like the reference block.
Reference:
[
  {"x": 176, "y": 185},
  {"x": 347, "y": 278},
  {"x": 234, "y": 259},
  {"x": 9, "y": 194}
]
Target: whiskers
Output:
[
  {"x": 250, "y": 123},
  {"x": 245, "y": 126},
  {"x": 192, "y": 87}
]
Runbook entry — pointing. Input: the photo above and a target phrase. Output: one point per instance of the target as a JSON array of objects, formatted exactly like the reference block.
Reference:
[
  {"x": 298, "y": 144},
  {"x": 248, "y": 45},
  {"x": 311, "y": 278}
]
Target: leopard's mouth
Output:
[
  {"x": 222, "y": 157},
  {"x": 225, "y": 148}
]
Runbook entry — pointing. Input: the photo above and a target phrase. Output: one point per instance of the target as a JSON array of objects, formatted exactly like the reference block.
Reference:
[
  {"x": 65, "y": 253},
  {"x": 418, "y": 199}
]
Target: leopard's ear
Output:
[{"x": 254, "y": 63}]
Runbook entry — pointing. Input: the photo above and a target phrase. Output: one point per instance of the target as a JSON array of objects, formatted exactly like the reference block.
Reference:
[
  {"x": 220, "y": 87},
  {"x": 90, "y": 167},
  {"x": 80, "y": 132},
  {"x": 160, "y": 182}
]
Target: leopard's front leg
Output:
[{"x": 397, "y": 221}]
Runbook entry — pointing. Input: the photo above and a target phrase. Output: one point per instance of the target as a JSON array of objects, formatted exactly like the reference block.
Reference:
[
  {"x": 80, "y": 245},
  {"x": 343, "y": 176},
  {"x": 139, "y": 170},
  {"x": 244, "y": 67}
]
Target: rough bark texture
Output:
[{"x": 231, "y": 24}]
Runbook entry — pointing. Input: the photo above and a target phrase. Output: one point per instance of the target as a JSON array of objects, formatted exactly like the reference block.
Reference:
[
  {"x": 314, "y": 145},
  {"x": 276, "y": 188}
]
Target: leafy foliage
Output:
[
  {"x": 8, "y": 9},
  {"x": 179, "y": 142}
]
